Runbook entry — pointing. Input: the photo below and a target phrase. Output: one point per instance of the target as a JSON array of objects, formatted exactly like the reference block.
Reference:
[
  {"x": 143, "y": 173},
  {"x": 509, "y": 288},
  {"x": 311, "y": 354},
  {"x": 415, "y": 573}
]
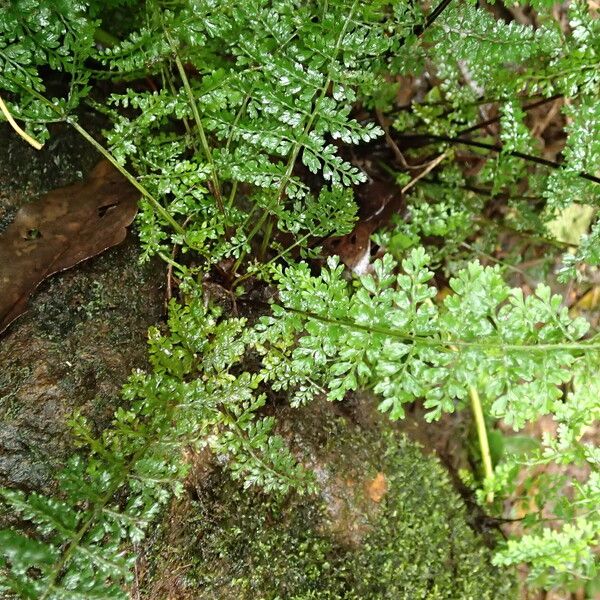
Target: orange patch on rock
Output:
[{"x": 377, "y": 488}]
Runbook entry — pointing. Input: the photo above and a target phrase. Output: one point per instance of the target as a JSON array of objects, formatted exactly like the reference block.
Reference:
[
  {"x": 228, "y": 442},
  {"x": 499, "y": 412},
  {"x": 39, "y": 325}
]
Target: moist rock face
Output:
[
  {"x": 387, "y": 524},
  {"x": 84, "y": 332}
]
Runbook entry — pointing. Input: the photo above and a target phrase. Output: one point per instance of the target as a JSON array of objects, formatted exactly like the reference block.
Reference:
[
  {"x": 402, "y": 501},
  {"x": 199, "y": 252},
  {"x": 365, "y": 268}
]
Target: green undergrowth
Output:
[
  {"x": 415, "y": 541},
  {"x": 247, "y": 127}
]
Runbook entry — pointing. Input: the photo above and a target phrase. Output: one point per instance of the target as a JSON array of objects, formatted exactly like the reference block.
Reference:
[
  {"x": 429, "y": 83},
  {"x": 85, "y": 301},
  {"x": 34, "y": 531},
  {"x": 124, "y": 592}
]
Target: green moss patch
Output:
[{"x": 415, "y": 541}]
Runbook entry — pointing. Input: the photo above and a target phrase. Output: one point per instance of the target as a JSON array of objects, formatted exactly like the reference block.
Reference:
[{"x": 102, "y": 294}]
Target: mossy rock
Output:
[
  {"x": 388, "y": 524},
  {"x": 84, "y": 331}
]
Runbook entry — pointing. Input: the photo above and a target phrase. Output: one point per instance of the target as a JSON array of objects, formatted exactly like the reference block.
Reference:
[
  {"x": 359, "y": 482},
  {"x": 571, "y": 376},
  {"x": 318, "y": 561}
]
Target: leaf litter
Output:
[{"x": 61, "y": 229}]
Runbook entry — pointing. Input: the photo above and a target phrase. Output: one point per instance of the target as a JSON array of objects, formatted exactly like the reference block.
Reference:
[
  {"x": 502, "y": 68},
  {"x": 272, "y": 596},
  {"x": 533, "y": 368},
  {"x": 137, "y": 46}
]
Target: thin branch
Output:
[
  {"x": 483, "y": 191},
  {"x": 495, "y": 260},
  {"x": 434, "y": 163},
  {"x": 419, "y": 30},
  {"x": 431, "y": 17},
  {"x": 394, "y": 147},
  {"x": 427, "y": 139},
  {"x": 390, "y": 140},
  {"x": 527, "y": 107}
]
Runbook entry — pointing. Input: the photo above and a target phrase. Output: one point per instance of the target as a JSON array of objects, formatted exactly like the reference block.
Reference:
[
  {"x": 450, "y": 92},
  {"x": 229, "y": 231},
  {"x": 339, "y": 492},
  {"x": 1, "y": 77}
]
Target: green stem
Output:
[
  {"x": 201, "y": 133},
  {"x": 428, "y": 341},
  {"x": 265, "y": 241},
  {"x": 274, "y": 259},
  {"x": 73, "y": 123},
  {"x": 171, "y": 262},
  {"x": 160, "y": 209},
  {"x": 169, "y": 79},
  {"x": 106, "y": 39},
  {"x": 298, "y": 145},
  {"x": 254, "y": 231},
  {"x": 232, "y": 194},
  {"x": 238, "y": 116},
  {"x": 76, "y": 541},
  {"x": 484, "y": 445},
  {"x": 231, "y": 420}
]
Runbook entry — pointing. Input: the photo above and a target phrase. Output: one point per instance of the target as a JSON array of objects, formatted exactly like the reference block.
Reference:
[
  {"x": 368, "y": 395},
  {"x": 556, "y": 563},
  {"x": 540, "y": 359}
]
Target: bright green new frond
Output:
[{"x": 386, "y": 332}]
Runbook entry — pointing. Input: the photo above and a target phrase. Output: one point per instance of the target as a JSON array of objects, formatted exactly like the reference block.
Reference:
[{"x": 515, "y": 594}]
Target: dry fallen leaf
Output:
[
  {"x": 378, "y": 201},
  {"x": 61, "y": 229},
  {"x": 590, "y": 300},
  {"x": 377, "y": 488},
  {"x": 572, "y": 222}
]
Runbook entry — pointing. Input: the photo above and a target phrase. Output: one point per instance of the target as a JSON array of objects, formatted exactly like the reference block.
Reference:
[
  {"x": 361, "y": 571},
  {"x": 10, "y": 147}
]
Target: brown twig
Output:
[
  {"x": 430, "y": 138},
  {"x": 431, "y": 17},
  {"x": 541, "y": 126},
  {"x": 390, "y": 141},
  {"x": 434, "y": 163}
]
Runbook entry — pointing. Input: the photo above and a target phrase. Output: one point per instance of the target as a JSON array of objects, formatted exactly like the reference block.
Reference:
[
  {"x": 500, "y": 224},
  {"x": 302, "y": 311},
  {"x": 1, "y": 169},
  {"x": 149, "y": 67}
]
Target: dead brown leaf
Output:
[
  {"x": 58, "y": 231},
  {"x": 378, "y": 201},
  {"x": 590, "y": 300}
]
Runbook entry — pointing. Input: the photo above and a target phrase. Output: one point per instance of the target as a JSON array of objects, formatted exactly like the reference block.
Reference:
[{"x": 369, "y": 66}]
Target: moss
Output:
[
  {"x": 422, "y": 546},
  {"x": 73, "y": 350},
  {"x": 417, "y": 543}
]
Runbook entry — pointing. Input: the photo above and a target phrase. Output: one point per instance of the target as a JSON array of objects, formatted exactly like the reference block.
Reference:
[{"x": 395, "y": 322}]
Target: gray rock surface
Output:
[{"x": 85, "y": 329}]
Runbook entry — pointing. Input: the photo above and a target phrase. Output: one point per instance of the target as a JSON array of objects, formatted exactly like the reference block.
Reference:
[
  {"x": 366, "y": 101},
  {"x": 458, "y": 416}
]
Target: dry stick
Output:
[
  {"x": 390, "y": 141},
  {"x": 540, "y": 127},
  {"x": 494, "y": 148},
  {"x": 31, "y": 141},
  {"x": 392, "y": 144},
  {"x": 434, "y": 163}
]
